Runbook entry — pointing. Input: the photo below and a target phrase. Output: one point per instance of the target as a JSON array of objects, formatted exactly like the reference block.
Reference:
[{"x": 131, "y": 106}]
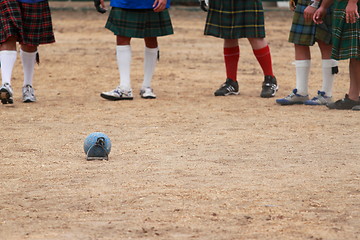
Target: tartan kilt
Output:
[
  {"x": 30, "y": 23},
  {"x": 139, "y": 23},
  {"x": 346, "y": 36},
  {"x": 307, "y": 33},
  {"x": 234, "y": 19}
]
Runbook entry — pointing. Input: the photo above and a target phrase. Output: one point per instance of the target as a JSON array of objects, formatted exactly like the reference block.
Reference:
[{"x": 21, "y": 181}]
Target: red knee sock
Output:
[
  {"x": 231, "y": 57},
  {"x": 264, "y": 58}
]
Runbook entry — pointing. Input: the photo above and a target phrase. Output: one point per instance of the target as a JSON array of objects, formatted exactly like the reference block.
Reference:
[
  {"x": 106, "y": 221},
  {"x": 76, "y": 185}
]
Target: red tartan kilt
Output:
[{"x": 30, "y": 23}]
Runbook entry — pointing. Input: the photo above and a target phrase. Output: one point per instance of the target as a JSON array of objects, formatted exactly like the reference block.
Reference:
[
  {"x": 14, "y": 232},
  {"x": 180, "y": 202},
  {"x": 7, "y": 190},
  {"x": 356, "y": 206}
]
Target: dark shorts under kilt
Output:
[
  {"x": 234, "y": 19},
  {"x": 139, "y": 23},
  {"x": 30, "y": 23},
  {"x": 307, "y": 33},
  {"x": 346, "y": 36}
]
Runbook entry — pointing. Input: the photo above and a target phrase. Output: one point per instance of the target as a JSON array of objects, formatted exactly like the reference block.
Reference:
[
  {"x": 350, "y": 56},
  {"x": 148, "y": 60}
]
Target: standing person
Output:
[
  {"x": 232, "y": 20},
  {"x": 346, "y": 45},
  {"x": 29, "y": 23},
  {"x": 147, "y": 19},
  {"x": 304, "y": 33}
]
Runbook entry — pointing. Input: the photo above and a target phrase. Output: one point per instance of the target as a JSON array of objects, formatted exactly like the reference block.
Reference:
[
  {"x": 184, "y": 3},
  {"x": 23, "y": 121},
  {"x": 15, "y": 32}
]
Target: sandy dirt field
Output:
[{"x": 186, "y": 165}]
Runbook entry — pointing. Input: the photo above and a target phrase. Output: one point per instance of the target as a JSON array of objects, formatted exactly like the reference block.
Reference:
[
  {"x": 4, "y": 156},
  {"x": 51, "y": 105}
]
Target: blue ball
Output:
[{"x": 93, "y": 138}]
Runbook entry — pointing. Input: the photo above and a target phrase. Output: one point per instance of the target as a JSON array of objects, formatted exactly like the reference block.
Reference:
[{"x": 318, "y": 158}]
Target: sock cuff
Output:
[
  {"x": 151, "y": 50},
  {"x": 329, "y": 63},
  {"x": 302, "y": 63},
  {"x": 30, "y": 54},
  {"x": 262, "y": 51},
  {"x": 123, "y": 47},
  {"x": 8, "y": 52},
  {"x": 232, "y": 51}
]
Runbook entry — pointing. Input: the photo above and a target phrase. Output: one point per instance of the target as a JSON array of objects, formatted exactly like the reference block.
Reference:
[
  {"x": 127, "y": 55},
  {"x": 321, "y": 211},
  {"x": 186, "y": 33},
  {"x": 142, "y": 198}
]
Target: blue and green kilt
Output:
[
  {"x": 233, "y": 19},
  {"x": 346, "y": 36},
  {"x": 307, "y": 33},
  {"x": 139, "y": 23},
  {"x": 30, "y": 23}
]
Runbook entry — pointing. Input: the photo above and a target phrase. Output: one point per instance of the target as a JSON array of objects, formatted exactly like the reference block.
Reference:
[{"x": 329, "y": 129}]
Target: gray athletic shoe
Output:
[
  {"x": 6, "y": 94},
  {"x": 147, "y": 93},
  {"x": 293, "y": 98},
  {"x": 320, "y": 99},
  {"x": 118, "y": 94},
  {"x": 28, "y": 94}
]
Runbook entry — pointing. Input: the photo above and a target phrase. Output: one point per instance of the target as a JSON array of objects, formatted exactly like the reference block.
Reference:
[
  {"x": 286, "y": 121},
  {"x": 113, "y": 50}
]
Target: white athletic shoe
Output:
[
  {"x": 147, "y": 93},
  {"x": 28, "y": 94},
  {"x": 117, "y": 94},
  {"x": 6, "y": 94}
]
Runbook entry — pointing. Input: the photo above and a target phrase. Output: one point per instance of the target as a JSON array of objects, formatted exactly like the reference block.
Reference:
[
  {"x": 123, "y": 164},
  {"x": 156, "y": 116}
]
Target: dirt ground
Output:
[{"x": 186, "y": 165}]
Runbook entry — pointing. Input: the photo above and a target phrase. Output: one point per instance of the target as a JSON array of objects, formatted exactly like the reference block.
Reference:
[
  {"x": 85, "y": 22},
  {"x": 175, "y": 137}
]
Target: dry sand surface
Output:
[{"x": 186, "y": 165}]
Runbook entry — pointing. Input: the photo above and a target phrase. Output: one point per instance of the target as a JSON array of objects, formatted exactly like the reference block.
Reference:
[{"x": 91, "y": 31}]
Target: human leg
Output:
[
  {"x": 123, "y": 57},
  {"x": 8, "y": 57},
  {"x": 329, "y": 68},
  {"x": 302, "y": 67},
  {"x": 231, "y": 59},
  {"x": 150, "y": 59},
  {"x": 28, "y": 58},
  {"x": 262, "y": 53}
]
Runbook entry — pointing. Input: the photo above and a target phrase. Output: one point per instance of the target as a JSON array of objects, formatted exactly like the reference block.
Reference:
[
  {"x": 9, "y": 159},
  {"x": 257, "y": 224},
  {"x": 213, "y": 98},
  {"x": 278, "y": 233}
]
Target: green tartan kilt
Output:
[
  {"x": 139, "y": 23},
  {"x": 233, "y": 19},
  {"x": 307, "y": 33},
  {"x": 346, "y": 36}
]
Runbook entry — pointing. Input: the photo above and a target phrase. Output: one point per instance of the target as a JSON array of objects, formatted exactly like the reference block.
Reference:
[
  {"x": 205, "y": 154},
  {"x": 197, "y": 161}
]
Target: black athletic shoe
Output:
[
  {"x": 229, "y": 87},
  {"x": 343, "y": 104},
  {"x": 269, "y": 87}
]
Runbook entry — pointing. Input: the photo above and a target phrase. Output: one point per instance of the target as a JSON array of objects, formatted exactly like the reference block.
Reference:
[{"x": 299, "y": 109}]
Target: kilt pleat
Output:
[
  {"x": 233, "y": 19},
  {"x": 10, "y": 20},
  {"x": 306, "y": 33},
  {"x": 139, "y": 23},
  {"x": 346, "y": 36},
  {"x": 30, "y": 23}
]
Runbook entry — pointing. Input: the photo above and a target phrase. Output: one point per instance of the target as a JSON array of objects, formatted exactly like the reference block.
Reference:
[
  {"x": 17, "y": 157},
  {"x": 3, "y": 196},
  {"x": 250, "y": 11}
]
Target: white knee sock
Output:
[
  {"x": 28, "y": 61},
  {"x": 150, "y": 59},
  {"x": 302, "y": 76},
  {"x": 328, "y": 76},
  {"x": 123, "y": 56},
  {"x": 8, "y": 59}
]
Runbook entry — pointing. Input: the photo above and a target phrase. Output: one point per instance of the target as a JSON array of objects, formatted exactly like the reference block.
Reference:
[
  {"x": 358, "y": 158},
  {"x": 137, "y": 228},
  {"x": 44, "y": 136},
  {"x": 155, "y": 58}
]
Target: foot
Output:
[
  {"x": 269, "y": 87},
  {"x": 147, "y": 93},
  {"x": 343, "y": 104},
  {"x": 28, "y": 94},
  {"x": 320, "y": 99},
  {"x": 6, "y": 94},
  {"x": 293, "y": 98},
  {"x": 230, "y": 87},
  {"x": 117, "y": 94}
]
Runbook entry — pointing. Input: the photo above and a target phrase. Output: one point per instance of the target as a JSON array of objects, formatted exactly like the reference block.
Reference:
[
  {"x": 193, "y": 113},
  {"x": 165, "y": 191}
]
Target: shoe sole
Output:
[
  {"x": 148, "y": 97},
  {"x": 111, "y": 98},
  {"x": 227, "y": 94},
  {"x": 28, "y": 100},
  {"x": 290, "y": 103},
  {"x": 5, "y": 97}
]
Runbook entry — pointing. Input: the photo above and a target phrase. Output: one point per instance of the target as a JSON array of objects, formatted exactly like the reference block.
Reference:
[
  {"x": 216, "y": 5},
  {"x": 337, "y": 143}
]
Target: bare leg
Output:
[
  {"x": 354, "y": 89},
  {"x": 120, "y": 40},
  {"x": 229, "y": 43},
  {"x": 9, "y": 45},
  {"x": 302, "y": 52},
  {"x": 257, "y": 43},
  {"x": 151, "y": 42},
  {"x": 325, "y": 50}
]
